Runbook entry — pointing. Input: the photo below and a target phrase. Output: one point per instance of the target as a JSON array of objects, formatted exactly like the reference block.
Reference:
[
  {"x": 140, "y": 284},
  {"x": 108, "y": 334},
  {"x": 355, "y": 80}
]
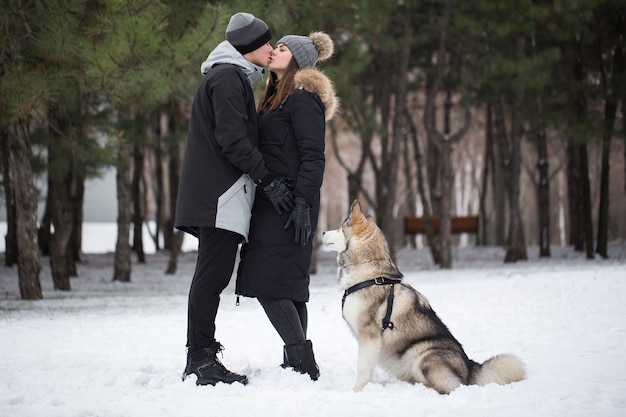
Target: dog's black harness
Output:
[{"x": 387, "y": 323}]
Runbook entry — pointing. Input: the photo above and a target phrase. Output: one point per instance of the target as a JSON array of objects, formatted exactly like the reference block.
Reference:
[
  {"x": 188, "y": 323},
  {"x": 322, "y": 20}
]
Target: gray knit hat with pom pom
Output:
[{"x": 307, "y": 50}]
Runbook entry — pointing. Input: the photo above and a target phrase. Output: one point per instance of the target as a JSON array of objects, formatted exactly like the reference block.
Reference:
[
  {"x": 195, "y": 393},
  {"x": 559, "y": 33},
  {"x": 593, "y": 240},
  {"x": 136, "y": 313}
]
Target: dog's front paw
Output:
[{"x": 358, "y": 387}]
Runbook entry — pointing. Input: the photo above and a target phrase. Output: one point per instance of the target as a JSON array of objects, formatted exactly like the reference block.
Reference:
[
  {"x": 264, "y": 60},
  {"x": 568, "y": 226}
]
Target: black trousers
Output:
[
  {"x": 217, "y": 252},
  {"x": 288, "y": 317}
]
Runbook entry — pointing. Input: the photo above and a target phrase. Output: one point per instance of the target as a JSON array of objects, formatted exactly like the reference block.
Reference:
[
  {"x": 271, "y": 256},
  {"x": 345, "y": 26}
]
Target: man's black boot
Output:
[{"x": 209, "y": 369}]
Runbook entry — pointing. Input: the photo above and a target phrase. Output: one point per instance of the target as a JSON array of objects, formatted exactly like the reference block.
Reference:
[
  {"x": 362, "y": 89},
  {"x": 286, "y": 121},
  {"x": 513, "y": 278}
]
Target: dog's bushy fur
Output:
[{"x": 419, "y": 348}]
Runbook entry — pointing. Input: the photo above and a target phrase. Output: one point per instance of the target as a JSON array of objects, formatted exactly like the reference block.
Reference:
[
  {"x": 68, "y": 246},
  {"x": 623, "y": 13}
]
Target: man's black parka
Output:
[{"x": 221, "y": 160}]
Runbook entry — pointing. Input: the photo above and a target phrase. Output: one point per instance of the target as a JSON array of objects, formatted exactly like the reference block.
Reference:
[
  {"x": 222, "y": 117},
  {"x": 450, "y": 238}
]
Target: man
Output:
[{"x": 221, "y": 168}]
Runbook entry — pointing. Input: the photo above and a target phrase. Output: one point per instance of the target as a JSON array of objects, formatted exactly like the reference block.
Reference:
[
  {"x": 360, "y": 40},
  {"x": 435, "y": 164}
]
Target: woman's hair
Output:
[{"x": 271, "y": 98}]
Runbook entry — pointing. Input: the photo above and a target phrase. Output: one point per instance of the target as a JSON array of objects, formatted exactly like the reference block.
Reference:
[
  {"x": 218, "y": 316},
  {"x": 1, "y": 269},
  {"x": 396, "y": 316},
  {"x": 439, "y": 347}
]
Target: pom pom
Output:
[{"x": 324, "y": 45}]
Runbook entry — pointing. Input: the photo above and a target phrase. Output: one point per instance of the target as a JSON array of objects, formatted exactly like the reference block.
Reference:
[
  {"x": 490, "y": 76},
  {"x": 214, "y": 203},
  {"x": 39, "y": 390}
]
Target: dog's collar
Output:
[{"x": 387, "y": 324}]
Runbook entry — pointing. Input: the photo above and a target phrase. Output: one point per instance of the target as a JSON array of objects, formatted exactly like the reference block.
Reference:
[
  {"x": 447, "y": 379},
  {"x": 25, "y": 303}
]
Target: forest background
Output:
[{"x": 511, "y": 111}]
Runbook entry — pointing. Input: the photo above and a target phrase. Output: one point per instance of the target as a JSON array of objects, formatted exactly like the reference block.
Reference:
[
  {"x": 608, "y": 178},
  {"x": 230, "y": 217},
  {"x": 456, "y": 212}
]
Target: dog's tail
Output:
[{"x": 500, "y": 369}]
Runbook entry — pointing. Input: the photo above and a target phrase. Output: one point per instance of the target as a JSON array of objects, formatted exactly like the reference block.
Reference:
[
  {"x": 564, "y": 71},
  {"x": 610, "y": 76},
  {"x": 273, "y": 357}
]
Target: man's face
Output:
[{"x": 260, "y": 56}]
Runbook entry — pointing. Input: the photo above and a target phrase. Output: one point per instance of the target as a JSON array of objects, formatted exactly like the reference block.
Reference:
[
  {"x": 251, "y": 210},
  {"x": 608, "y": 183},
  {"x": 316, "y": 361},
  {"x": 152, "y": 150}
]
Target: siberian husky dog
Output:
[{"x": 394, "y": 325}]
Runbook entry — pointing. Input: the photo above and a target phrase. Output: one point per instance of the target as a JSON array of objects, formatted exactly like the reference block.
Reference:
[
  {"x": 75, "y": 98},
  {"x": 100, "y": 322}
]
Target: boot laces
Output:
[{"x": 218, "y": 364}]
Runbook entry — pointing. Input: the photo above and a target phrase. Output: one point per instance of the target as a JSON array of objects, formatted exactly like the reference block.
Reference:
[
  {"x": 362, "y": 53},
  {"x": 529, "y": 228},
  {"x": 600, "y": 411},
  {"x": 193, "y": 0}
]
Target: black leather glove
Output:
[
  {"x": 300, "y": 217},
  {"x": 279, "y": 194}
]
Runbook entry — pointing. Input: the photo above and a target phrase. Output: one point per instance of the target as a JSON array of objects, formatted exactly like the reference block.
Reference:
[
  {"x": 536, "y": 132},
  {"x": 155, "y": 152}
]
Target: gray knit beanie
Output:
[
  {"x": 247, "y": 33},
  {"x": 307, "y": 50}
]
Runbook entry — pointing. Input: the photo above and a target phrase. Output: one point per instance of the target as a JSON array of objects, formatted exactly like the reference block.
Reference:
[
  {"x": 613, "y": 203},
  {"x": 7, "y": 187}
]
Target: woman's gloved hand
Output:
[{"x": 300, "y": 217}]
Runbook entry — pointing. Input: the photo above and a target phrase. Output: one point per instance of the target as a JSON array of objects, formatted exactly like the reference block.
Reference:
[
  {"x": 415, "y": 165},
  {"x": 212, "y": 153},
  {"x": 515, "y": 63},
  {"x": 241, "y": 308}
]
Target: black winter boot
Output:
[
  {"x": 209, "y": 369},
  {"x": 300, "y": 357},
  {"x": 285, "y": 363}
]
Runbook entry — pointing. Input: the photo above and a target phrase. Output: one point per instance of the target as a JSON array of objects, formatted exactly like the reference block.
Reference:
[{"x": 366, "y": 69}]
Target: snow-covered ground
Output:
[{"x": 113, "y": 349}]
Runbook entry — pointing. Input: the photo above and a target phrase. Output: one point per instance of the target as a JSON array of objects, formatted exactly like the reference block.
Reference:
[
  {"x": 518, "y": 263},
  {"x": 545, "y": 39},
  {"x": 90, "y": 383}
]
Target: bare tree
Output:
[{"x": 444, "y": 141}]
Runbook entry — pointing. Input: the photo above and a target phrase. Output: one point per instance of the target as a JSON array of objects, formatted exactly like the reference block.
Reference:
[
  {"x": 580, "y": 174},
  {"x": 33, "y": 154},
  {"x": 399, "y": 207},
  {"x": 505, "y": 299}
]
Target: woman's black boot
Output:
[{"x": 299, "y": 356}]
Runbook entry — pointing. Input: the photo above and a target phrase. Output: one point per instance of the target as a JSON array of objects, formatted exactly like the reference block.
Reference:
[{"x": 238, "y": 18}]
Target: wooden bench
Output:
[{"x": 460, "y": 224}]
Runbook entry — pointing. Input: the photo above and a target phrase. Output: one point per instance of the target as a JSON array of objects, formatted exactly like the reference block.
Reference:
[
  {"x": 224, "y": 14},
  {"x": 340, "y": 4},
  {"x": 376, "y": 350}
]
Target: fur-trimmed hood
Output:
[{"x": 316, "y": 82}]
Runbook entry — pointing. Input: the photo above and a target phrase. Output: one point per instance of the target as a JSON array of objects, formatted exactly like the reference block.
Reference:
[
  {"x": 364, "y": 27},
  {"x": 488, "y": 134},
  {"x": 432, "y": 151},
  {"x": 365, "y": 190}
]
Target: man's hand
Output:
[{"x": 280, "y": 195}]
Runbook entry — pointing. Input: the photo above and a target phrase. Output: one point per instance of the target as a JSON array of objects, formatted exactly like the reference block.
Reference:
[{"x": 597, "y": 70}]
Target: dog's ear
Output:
[
  {"x": 355, "y": 207},
  {"x": 356, "y": 217}
]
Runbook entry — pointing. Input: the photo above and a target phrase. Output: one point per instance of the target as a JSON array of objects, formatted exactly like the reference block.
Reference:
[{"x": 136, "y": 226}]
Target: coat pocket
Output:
[
  {"x": 234, "y": 207},
  {"x": 277, "y": 137}
]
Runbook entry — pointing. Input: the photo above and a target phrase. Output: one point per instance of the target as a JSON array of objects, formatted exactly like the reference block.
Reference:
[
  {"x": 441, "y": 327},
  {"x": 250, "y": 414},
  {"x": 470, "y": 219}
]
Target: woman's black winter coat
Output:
[{"x": 291, "y": 139}]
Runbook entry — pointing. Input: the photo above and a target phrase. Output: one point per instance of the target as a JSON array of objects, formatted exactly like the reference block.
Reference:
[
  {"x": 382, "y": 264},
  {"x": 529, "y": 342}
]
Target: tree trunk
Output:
[
  {"x": 382, "y": 169},
  {"x": 543, "y": 191},
  {"x": 484, "y": 229},
  {"x": 496, "y": 126},
  {"x": 29, "y": 263},
  {"x": 499, "y": 194},
  {"x": 10, "y": 255},
  {"x": 575, "y": 175},
  {"x": 175, "y": 250},
  {"x": 610, "y": 111},
  {"x": 354, "y": 185},
  {"x": 612, "y": 86},
  {"x": 433, "y": 162},
  {"x": 122, "y": 268},
  {"x": 445, "y": 226},
  {"x": 623, "y": 102},
  {"x": 390, "y": 167},
  {"x": 447, "y": 186},
  {"x": 77, "y": 197},
  {"x": 411, "y": 199},
  {"x": 433, "y": 242},
  {"x": 174, "y": 244},
  {"x": 510, "y": 155},
  {"x": 444, "y": 142},
  {"x": 44, "y": 234},
  {"x": 433, "y": 85},
  {"x": 138, "y": 208},
  {"x": 160, "y": 201},
  {"x": 61, "y": 216},
  {"x": 586, "y": 201},
  {"x": 516, "y": 242},
  {"x": 365, "y": 129},
  {"x": 574, "y": 197},
  {"x": 543, "y": 186},
  {"x": 173, "y": 152}
]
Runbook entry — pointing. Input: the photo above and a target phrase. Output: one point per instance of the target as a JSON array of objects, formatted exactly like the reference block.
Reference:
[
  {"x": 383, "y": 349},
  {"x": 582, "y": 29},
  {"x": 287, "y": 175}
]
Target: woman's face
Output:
[{"x": 279, "y": 60}]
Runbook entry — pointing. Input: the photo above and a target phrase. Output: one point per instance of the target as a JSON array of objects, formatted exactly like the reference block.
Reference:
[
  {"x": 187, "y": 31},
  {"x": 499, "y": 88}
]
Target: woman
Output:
[{"x": 274, "y": 267}]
